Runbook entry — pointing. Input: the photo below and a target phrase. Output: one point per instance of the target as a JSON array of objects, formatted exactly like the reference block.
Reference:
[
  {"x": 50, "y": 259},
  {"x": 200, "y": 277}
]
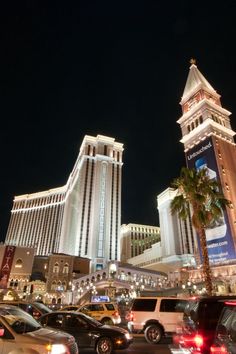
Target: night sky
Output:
[{"x": 116, "y": 68}]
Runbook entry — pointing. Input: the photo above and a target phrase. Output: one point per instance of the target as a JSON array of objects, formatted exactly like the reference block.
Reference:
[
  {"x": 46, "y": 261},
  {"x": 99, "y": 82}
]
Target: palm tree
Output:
[{"x": 195, "y": 190}]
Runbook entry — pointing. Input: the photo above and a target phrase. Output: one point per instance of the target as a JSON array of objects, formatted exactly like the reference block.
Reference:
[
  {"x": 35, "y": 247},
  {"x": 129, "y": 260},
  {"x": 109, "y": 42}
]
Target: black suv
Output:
[
  {"x": 225, "y": 339},
  {"x": 196, "y": 333}
]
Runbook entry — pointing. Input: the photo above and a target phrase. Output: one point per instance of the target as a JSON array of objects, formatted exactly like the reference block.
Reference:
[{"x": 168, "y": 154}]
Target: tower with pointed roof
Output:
[{"x": 209, "y": 142}]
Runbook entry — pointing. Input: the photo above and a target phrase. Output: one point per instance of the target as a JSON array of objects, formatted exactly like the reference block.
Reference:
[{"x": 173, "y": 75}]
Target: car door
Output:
[
  {"x": 171, "y": 313},
  {"x": 97, "y": 311},
  {"x": 79, "y": 328},
  {"x": 54, "y": 320},
  {"x": 7, "y": 340},
  {"x": 93, "y": 310}
]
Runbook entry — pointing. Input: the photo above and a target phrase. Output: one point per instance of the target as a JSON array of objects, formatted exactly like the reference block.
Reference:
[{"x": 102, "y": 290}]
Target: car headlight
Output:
[
  {"x": 57, "y": 349},
  {"x": 128, "y": 336}
]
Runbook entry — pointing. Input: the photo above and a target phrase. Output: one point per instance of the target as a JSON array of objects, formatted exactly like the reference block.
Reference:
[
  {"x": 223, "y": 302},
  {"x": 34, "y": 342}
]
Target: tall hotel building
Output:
[
  {"x": 208, "y": 143},
  {"x": 81, "y": 218},
  {"x": 135, "y": 239}
]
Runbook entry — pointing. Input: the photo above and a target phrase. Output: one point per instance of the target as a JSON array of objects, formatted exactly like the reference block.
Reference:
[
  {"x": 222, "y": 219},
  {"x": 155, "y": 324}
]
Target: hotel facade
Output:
[{"x": 81, "y": 218}]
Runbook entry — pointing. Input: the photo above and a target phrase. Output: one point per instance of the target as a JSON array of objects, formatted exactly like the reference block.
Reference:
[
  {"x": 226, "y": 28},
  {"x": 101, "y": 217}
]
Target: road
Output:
[{"x": 140, "y": 346}]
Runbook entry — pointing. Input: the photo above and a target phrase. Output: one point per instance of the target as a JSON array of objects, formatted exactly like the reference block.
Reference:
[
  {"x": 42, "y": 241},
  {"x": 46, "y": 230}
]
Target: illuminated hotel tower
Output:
[
  {"x": 81, "y": 218},
  {"x": 208, "y": 143}
]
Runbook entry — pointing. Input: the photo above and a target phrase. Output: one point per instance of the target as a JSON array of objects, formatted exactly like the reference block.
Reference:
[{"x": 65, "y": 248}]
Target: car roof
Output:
[
  {"x": 213, "y": 298},
  {"x": 162, "y": 297},
  {"x": 100, "y": 302},
  {"x": 8, "y": 306},
  {"x": 62, "y": 312},
  {"x": 11, "y": 307},
  {"x": 9, "y": 302}
]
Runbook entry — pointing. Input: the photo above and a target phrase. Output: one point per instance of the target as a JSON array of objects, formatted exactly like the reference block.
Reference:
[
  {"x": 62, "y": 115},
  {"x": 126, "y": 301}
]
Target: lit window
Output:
[
  {"x": 56, "y": 268},
  {"x": 66, "y": 269},
  {"x": 18, "y": 263}
]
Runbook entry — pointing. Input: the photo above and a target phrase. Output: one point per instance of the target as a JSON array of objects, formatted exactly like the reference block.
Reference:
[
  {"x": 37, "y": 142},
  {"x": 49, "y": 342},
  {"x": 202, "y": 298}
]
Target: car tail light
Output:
[
  {"x": 198, "y": 340},
  {"x": 218, "y": 350},
  {"x": 188, "y": 341},
  {"x": 232, "y": 303}
]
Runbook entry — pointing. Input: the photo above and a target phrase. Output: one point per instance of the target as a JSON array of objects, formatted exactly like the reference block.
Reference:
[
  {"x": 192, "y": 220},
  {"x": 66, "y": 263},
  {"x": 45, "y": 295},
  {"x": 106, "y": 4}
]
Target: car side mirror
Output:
[{"x": 2, "y": 331}]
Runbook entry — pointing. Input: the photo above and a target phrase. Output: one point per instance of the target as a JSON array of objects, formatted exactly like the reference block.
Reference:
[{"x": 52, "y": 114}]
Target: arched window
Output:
[
  {"x": 59, "y": 286},
  {"x": 18, "y": 263},
  {"x": 53, "y": 286},
  {"x": 56, "y": 268},
  {"x": 122, "y": 275},
  {"x": 66, "y": 268}
]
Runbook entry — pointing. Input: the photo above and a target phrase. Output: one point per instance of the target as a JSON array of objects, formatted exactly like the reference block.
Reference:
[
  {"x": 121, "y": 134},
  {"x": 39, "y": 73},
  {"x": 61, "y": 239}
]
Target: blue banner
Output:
[{"x": 219, "y": 238}]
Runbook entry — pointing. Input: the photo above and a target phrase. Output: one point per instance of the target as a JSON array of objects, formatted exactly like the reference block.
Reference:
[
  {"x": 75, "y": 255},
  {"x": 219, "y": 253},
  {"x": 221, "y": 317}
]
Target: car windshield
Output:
[
  {"x": 44, "y": 309},
  {"x": 19, "y": 320}
]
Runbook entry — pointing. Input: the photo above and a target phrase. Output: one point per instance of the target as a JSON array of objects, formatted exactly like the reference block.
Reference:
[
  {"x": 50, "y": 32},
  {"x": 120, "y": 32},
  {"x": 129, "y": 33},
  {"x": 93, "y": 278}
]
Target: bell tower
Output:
[{"x": 208, "y": 142}]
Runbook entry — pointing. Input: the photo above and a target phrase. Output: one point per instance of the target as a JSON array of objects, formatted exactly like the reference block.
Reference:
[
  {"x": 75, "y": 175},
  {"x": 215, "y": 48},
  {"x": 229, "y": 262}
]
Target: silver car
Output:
[{"x": 21, "y": 333}]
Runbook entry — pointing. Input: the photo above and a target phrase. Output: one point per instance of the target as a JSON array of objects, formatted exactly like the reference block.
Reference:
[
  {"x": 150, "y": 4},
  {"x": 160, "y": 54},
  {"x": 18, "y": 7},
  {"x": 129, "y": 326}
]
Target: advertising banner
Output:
[
  {"x": 219, "y": 239},
  {"x": 6, "y": 266}
]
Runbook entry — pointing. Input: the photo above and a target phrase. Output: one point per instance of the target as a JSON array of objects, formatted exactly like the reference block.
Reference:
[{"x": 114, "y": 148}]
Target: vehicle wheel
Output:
[
  {"x": 153, "y": 334},
  {"x": 104, "y": 346},
  {"x": 107, "y": 321}
]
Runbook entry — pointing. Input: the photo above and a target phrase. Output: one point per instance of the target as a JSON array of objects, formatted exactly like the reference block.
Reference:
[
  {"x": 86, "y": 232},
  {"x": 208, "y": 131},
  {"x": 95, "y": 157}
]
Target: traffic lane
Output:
[{"x": 141, "y": 346}]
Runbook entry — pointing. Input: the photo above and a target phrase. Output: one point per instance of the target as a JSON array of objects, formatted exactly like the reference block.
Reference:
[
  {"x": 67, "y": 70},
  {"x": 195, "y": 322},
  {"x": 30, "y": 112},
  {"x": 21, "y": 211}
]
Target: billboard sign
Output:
[{"x": 219, "y": 238}]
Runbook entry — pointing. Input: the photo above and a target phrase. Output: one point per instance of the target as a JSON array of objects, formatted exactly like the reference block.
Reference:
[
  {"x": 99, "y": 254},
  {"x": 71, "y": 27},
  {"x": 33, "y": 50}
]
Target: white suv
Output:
[
  {"x": 21, "y": 333},
  {"x": 156, "y": 316}
]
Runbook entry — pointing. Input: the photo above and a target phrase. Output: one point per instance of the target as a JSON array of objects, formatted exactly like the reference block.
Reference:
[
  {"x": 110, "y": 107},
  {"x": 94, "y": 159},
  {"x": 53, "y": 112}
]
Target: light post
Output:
[{"x": 72, "y": 293}]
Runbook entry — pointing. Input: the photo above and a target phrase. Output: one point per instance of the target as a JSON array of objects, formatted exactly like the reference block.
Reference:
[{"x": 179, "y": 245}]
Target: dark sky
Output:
[{"x": 116, "y": 68}]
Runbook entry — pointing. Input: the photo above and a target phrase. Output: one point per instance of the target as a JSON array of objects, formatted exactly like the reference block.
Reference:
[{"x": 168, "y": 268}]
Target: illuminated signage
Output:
[
  {"x": 219, "y": 238},
  {"x": 6, "y": 266}
]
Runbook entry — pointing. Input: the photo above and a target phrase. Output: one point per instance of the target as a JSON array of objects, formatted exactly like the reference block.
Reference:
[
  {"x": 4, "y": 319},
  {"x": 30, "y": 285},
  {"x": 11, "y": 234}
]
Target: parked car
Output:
[
  {"x": 155, "y": 316},
  {"x": 104, "y": 312},
  {"x": 197, "y": 331},
  {"x": 21, "y": 333},
  {"x": 88, "y": 332},
  {"x": 225, "y": 337},
  {"x": 35, "y": 309}
]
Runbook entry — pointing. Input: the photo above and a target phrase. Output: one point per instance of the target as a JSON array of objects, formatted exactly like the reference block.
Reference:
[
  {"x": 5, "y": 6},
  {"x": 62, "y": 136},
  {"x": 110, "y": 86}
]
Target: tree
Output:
[{"x": 203, "y": 196}]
